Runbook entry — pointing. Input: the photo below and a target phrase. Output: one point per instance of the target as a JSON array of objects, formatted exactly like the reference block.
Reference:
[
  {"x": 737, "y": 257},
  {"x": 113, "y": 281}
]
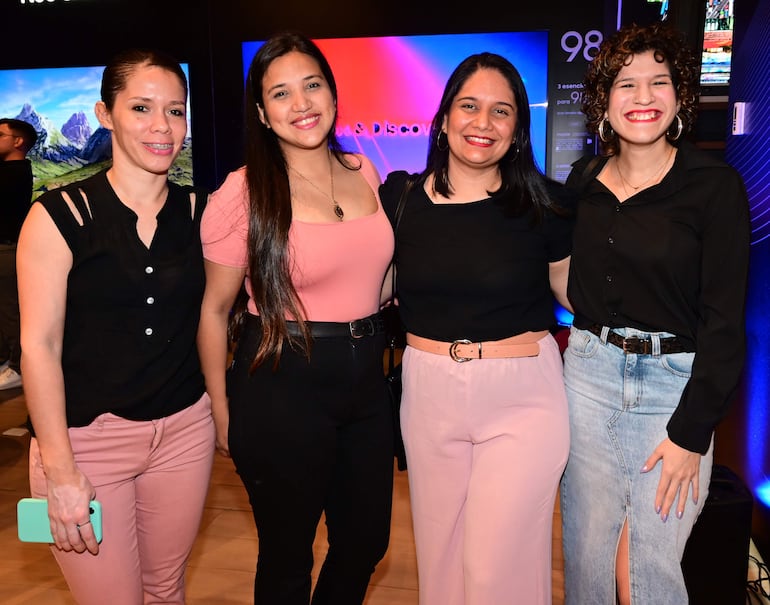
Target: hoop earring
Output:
[
  {"x": 679, "y": 128},
  {"x": 438, "y": 141},
  {"x": 601, "y": 130}
]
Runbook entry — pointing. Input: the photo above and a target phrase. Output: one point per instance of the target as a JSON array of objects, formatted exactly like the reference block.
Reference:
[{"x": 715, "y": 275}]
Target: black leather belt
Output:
[
  {"x": 641, "y": 346},
  {"x": 358, "y": 328}
]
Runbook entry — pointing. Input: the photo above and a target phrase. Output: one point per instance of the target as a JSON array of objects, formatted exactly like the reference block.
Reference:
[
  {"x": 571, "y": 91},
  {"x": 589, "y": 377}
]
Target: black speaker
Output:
[{"x": 716, "y": 558}]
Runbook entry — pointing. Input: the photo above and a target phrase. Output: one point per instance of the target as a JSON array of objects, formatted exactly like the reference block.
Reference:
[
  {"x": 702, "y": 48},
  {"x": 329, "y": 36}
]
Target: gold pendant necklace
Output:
[
  {"x": 636, "y": 188},
  {"x": 338, "y": 212}
]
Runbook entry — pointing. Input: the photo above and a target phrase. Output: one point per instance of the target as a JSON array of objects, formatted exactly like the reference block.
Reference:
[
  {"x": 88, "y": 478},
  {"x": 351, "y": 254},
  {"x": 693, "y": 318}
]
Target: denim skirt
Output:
[{"x": 619, "y": 405}]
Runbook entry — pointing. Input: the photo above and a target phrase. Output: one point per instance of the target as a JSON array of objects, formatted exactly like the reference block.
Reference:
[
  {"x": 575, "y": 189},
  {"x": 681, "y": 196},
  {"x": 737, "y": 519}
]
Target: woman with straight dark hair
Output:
[
  {"x": 110, "y": 286},
  {"x": 481, "y": 246},
  {"x": 305, "y": 413}
]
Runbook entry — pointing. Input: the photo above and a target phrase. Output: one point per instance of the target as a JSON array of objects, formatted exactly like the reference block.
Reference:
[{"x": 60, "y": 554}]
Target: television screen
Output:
[
  {"x": 389, "y": 88},
  {"x": 59, "y": 103},
  {"x": 717, "y": 43}
]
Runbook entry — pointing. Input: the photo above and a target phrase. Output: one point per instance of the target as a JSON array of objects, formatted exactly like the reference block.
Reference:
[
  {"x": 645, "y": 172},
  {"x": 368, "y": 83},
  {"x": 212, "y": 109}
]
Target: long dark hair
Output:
[
  {"x": 270, "y": 202},
  {"x": 518, "y": 171}
]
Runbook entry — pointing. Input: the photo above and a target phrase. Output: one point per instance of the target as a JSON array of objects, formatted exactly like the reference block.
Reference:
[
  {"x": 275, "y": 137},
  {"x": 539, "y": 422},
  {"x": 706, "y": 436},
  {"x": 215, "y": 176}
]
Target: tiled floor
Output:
[{"x": 221, "y": 569}]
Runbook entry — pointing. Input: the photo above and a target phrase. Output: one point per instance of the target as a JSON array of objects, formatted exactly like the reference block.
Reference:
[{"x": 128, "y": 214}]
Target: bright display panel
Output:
[
  {"x": 389, "y": 88},
  {"x": 59, "y": 103}
]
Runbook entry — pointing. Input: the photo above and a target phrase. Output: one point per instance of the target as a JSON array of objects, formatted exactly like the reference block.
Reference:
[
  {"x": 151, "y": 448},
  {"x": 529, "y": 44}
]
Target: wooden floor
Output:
[{"x": 221, "y": 568}]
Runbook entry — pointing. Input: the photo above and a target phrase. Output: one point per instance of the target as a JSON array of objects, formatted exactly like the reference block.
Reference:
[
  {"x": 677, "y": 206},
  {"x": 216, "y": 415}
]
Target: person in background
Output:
[
  {"x": 305, "y": 414},
  {"x": 16, "y": 139},
  {"x": 657, "y": 283},
  {"x": 481, "y": 246},
  {"x": 110, "y": 285}
]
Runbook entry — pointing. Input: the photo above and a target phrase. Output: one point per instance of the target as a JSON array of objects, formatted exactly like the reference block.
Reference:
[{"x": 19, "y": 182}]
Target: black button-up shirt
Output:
[
  {"x": 672, "y": 258},
  {"x": 132, "y": 311}
]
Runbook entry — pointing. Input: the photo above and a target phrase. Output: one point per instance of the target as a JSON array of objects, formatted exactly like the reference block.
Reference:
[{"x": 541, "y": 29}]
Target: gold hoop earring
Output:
[
  {"x": 601, "y": 130},
  {"x": 679, "y": 128},
  {"x": 438, "y": 141}
]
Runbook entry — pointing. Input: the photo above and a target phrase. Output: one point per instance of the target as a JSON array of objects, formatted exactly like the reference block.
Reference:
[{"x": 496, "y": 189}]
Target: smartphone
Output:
[{"x": 34, "y": 525}]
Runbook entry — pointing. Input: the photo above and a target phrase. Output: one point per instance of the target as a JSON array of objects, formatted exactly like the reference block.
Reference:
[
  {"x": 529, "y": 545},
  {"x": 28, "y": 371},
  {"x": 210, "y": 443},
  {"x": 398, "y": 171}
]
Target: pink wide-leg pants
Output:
[{"x": 486, "y": 443}]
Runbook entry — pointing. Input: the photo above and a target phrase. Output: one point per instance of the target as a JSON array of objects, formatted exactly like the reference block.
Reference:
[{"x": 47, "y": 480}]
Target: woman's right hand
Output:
[{"x": 69, "y": 498}]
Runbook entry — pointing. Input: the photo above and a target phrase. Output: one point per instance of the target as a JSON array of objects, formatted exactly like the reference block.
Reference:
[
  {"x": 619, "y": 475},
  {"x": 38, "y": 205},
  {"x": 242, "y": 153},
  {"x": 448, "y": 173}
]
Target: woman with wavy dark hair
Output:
[
  {"x": 305, "y": 413},
  {"x": 657, "y": 282},
  {"x": 480, "y": 248}
]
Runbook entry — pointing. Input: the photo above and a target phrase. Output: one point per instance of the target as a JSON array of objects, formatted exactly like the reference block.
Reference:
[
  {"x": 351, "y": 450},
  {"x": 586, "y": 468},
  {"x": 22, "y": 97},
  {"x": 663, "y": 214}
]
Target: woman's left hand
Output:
[{"x": 679, "y": 470}]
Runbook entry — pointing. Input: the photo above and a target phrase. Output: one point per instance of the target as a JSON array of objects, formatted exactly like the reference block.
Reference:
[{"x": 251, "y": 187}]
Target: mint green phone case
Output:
[{"x": 34, "y": 526}]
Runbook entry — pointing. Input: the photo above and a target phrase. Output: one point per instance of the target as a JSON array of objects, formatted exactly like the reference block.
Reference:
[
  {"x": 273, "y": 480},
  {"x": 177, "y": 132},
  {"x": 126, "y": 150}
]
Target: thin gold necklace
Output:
[
  {"x": 338, "y": 212},
  {"x": 636, "y": 188}
]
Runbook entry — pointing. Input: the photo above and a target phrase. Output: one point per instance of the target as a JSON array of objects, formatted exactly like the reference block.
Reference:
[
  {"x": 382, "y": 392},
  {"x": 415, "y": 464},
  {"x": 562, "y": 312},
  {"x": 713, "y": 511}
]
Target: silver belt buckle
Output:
[
  {"x": 362, "y": 327},
  {"x": 646, "y": 345},
  {"x": 626, "y": 345},
  {"x": 453, "y": 351}
]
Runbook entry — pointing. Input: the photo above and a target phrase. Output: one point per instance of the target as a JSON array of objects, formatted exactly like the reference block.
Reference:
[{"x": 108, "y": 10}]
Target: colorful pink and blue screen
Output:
[{"x": 389, "y": 88}]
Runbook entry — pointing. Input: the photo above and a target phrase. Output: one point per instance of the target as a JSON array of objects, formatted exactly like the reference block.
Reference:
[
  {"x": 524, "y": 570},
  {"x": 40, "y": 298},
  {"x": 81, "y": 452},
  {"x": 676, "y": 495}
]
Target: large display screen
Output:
[
  {"x": 717, "y": 43},
  {"x": 59, "y": 103},
  {"x": 389, "y": 88}
]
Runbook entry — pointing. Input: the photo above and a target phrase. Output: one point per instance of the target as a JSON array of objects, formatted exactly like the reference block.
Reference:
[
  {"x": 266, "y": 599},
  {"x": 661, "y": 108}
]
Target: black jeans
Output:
[
  {"x": 9, "y": 308},
  {"x": 314, "y": 437}
]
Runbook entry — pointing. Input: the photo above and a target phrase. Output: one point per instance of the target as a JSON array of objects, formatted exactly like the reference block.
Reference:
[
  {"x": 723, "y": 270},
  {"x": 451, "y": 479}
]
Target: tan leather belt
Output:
[{"x": 521, "y": 345}]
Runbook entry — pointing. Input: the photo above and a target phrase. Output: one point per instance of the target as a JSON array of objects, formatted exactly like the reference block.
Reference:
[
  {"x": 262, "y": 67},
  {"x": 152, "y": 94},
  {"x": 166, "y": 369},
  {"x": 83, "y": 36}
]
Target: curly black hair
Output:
[{"x": 669, "y": 46}]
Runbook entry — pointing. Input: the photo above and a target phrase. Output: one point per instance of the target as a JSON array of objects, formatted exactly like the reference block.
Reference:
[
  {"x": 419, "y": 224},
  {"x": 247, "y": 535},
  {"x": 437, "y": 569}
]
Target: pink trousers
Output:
[
  {"x": 151, "y": 478},
  {"x": 486, "y": 443}
]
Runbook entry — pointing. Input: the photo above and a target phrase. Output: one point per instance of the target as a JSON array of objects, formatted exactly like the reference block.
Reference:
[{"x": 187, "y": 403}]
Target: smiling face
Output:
[
  {"x": 297, "y": 102},
  {"x": 148, "y": 120},
  {"x": 642, "y": 102},
  {"x": 481, "y": 122}
]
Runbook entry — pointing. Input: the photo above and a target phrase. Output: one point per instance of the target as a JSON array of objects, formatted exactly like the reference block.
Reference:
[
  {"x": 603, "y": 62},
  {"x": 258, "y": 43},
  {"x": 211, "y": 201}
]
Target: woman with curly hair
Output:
[{"x": 657, "y": 282}]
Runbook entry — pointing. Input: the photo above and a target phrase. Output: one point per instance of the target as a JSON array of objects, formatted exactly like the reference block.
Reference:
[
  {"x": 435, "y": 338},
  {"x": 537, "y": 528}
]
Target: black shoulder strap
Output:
[
  {"x": 410, "y": 180},
  {"x": 408, "y": 185}
]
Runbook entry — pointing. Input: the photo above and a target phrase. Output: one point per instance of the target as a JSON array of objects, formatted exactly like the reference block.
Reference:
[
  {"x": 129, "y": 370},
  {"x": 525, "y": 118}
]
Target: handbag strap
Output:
[
  {"x": 396, "y": 221},
  {"x": 402, "y": 202}
]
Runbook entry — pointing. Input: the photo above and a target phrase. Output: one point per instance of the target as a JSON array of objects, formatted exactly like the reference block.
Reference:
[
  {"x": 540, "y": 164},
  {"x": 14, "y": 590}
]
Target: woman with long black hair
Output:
[
  {"x": 305, "y": 415},
  {"x": 481, "y": 248}
]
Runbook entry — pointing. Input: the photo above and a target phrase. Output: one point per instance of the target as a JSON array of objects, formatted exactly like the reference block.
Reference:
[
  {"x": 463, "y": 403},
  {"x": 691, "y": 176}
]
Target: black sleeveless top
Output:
[{"x": 132, "y": 312}]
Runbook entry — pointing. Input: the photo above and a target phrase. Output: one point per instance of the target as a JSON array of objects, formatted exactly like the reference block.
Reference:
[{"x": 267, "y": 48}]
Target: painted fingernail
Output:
[
  {"x": 664, "y": 518},
  {"x": 644, "y": 469},
  {"x": 657, "y": 510},
  {"x": 679, "y": 514}
]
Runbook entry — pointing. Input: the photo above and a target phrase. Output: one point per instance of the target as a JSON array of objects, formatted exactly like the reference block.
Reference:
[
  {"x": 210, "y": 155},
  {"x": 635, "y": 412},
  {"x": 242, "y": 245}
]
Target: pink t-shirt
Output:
[{"x": 337, "y": 268}]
